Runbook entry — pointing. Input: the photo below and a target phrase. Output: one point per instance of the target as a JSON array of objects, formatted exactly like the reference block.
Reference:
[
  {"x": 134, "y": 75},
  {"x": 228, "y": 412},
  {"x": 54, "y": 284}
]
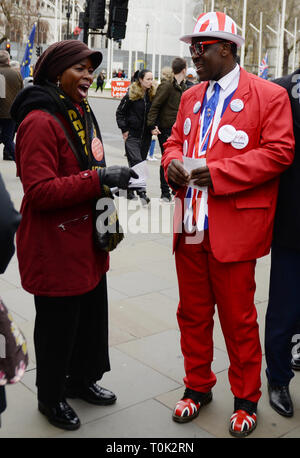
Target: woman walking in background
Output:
[{"x": 131, "y": 118}]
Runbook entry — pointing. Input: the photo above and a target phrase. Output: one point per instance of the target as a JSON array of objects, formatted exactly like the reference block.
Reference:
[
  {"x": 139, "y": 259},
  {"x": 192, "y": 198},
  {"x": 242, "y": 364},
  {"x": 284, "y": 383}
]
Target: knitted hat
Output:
[{"x": 60, "y": 56}]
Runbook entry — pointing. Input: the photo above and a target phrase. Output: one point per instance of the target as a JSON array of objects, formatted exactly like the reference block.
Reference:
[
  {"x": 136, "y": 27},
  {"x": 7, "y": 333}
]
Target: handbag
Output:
[
  {"x": 13, "y": 349},
  {"x": 108, "y": 232}
]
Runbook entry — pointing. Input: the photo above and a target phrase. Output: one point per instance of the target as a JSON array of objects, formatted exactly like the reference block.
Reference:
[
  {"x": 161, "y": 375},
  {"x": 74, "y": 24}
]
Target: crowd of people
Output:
[{"x": 229, "y": 155}]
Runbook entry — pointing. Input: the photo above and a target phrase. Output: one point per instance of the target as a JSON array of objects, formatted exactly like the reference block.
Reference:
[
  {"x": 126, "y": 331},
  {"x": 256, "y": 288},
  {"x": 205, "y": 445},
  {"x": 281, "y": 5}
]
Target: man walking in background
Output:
[{"x": 13, "y": 84}]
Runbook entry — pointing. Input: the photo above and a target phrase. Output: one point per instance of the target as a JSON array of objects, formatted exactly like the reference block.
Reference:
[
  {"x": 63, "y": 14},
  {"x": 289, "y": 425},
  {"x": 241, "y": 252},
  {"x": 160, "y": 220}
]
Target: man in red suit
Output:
[{"x": 232, "y": 139}]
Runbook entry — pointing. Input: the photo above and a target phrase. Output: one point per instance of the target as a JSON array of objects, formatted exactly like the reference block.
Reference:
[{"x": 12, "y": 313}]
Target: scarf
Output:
[{"x": 84, "y": 127}]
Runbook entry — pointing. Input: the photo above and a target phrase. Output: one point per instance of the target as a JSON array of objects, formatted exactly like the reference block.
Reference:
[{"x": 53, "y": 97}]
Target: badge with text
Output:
[
  {"x": 197, "y": 107},
  {"x": 241, "y": 140},
  {"x": 227, "y": 133},
  {"x": 97, "y": 149},
  {"x": 185, "y": 147},
  {"x": 187, "y": 126},
  {"x": 237, "y": 105}
]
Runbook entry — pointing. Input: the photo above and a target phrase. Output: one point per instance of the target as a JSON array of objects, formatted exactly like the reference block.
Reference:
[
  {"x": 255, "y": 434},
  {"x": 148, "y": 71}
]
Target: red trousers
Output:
[{"x": 203, "y": 282}]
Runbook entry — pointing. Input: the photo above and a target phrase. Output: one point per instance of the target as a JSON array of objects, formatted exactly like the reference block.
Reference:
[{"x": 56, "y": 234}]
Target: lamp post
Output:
[
  {"x": 146, "y": 48},
  {"x": 68, "y": 14}
]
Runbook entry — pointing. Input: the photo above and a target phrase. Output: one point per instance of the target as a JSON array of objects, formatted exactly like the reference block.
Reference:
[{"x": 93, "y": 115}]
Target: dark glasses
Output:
[{"x": 198, "y": 48}]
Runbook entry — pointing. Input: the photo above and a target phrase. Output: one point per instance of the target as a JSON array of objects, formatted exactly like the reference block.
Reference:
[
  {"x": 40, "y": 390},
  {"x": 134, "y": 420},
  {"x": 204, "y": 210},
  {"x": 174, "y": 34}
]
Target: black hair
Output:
[{"x": 141, "y": 74}]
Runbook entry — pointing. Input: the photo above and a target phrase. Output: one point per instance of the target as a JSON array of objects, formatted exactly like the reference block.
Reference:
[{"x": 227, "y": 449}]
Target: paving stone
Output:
[{"x": 155, "y": 418}]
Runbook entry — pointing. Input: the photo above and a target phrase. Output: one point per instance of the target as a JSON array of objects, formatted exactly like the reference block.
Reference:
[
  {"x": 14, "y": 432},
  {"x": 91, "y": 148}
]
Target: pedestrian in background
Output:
[
  {"x": 191, "y": 77},
  {"x": 131, "y": 116},
  {"x": 61, "y": 163},
  {"x": 100, "y": 82},
  {"x": 9, "y": 222},
  {"x": 163, "y": 112},
  {"x": 239, "y": 127},
  {"x": 283, "y": 312},
  {"x": 13, "y": 85}
]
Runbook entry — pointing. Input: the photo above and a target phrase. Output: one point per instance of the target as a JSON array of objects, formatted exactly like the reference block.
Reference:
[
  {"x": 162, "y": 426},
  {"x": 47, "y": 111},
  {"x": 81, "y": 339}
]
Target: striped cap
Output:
[{"x": 216, "y": 25}]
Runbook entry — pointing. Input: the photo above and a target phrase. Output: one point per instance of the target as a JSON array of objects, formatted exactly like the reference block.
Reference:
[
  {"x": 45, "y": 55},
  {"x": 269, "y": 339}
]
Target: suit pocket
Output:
[{"x": 244, "y": 203}]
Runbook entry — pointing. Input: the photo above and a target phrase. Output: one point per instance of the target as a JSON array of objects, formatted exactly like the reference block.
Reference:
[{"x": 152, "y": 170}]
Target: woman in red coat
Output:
[{"x": 58, "y": 259}]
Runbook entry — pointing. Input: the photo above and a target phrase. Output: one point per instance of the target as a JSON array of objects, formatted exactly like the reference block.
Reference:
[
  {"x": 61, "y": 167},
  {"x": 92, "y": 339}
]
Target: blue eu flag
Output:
[{"x": 25, "y": 65}]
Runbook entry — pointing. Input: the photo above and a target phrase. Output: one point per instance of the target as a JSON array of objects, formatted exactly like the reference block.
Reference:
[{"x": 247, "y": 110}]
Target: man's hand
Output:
[
  {"x": 201, "y": 176},
  {"x": 177, "y": 174},
  {"x": 155, "y": 131}
]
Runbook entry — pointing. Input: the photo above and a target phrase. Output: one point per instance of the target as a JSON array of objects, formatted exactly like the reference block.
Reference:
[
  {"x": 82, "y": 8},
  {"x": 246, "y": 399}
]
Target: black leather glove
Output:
[{"x": 116, "y": 176}]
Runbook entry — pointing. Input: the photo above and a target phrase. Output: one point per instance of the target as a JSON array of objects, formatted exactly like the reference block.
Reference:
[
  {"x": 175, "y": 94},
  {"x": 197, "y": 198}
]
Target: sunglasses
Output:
[{"x": 198, "y": 48}]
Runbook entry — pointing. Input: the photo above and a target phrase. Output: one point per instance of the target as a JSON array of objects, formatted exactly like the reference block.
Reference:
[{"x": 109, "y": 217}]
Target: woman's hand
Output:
[
  {"x": 116, "y": 176},
  {"x": 125, "y": 135},
  {"x": 177, "y": 174}
]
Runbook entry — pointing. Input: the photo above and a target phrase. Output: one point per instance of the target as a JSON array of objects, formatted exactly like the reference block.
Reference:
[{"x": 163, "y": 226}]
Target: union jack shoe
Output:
[
  {"x": 187, "y": 409},
  {"x": 242, "y": 423}
]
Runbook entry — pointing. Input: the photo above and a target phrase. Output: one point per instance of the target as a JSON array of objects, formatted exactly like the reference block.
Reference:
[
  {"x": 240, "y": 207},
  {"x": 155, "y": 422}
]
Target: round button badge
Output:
[
  {"x": 187, "y": 126},
  {"x": 227, "y": 133},
  {"x": 97, "y": 149},
  {"x": 185, "y": 147},
  {"x": 237, "y": 105},
  {"x": 241, "y": 140},
  {"x": 197, "y": 107}
]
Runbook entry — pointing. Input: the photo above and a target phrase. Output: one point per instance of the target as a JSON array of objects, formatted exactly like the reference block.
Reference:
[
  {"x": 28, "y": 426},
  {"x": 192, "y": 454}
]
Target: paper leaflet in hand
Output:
[
  {"x": 189, "y": 163},
  {"x": 142, "y": 171}
]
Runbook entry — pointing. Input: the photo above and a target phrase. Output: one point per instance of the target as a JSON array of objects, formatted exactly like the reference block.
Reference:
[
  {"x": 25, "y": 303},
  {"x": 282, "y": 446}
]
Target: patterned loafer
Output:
[
  {"x": 187, "y": 408},
  {"x": 242, "y": 423}
]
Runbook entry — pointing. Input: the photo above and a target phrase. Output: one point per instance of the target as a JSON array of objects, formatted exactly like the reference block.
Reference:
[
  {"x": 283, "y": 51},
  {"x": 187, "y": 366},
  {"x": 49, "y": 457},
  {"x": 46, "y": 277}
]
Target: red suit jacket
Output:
[{"x": 242, "y": 202}]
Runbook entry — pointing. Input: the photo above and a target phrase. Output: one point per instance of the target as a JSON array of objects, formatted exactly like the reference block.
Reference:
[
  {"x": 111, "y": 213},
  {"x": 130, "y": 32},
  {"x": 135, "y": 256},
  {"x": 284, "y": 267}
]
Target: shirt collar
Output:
[{"x": 227, "y": 79}]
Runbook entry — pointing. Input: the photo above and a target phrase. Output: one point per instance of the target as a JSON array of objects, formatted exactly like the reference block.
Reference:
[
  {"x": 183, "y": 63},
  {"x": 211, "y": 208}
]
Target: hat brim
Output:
[
  {"x": 96, "y": 58},
  {"x": 237, "y": 39}
]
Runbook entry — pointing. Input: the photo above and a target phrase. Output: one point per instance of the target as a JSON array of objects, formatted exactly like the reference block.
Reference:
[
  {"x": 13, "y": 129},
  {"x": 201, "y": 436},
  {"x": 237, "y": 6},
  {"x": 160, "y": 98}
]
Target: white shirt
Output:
[{"x": 228, "y": 84}]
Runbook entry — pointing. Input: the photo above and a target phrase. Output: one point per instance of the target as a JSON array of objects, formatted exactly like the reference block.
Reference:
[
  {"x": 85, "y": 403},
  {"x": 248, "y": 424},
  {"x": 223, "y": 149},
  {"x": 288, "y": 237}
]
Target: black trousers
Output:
[
  {"x": 71, "y": 341},
  {"x": 137, "y": 149},
  {"x": 162, "y": 138},
  {"x": 283, "y": 314}
]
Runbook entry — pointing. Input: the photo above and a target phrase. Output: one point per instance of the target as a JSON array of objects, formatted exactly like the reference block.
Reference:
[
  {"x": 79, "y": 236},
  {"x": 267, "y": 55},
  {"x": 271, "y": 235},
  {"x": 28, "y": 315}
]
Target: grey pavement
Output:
[{"x": 146, "y": 362}]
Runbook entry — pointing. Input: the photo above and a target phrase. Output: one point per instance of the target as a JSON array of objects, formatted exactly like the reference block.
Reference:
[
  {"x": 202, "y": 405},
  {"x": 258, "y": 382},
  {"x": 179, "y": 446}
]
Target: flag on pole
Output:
[
  {"x": 25, "y": 65},
  {"x": 263, "y": 68}
]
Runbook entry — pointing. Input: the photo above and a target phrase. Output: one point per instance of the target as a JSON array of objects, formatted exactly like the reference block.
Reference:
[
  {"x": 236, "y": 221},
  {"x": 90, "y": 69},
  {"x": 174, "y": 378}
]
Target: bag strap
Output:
[{"x": 68, "y": 137}]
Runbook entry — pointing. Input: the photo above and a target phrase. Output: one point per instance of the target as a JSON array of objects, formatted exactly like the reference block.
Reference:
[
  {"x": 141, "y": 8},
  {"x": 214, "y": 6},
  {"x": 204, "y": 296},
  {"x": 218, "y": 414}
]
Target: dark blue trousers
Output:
[{"x": 283, "y": 314}]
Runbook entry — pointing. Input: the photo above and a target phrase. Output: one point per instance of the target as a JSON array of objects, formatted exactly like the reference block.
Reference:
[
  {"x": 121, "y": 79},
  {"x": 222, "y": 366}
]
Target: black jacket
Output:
[
  {"x": 132, "y": 112},
  {"x": 9, "y": 222},
  {"x": 287, "y": 218}
]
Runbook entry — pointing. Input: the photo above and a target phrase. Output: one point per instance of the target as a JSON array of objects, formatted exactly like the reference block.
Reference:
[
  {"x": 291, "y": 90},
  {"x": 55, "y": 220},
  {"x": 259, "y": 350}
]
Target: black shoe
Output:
[
  {"x": 94, "y": 394},
  {"x": 280, "y": 400},
  {"x": 60, "y": 415},
  {"x": 144, "y": 198},
  {"x": 296, "y": 362}
]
